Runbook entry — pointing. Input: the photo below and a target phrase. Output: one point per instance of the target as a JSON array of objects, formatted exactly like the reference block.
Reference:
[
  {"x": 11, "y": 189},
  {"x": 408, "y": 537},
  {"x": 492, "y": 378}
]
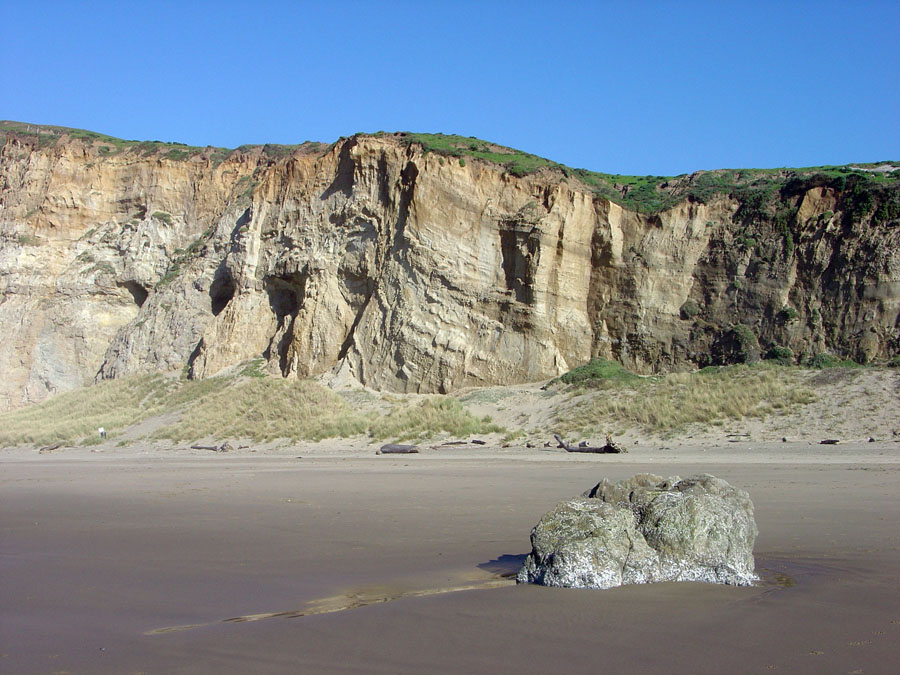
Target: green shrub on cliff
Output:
[
  {"x": 787, "y": 314},
  {"x": 689, "y": 309},
  {"x": 163, "y": 217},
  {"x": 822, "y": 361},
  {"x": 737, "y": 344},
  {"x": 781, "y": 355},
  {"x": 600, "y": 371}
]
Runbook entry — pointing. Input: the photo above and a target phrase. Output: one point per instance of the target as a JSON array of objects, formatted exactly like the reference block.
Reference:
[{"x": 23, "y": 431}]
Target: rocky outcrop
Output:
[
  {"x": 406, "y": 270},
  {"x": 643, "y": 530}
]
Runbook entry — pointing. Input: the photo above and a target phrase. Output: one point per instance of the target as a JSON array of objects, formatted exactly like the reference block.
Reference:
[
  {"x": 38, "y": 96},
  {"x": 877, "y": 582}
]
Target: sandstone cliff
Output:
[{"x": 411, "y": 270}]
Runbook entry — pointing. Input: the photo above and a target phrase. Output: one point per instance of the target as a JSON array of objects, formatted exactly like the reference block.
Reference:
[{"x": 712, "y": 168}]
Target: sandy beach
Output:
[{"x": 330, "y": 559}]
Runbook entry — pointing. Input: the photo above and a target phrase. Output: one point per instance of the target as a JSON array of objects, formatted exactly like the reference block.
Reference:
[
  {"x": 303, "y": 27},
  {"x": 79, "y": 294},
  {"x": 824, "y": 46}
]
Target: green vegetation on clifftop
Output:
[
  {"x": 761, "y": 190},
  {"x": 107, "y": 146},
  {"x": 763, "y": 193}
]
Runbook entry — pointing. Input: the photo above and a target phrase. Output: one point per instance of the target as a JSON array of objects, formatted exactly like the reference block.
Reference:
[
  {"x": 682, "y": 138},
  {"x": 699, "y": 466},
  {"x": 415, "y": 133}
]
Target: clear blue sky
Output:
[{"x": 625, "y": 87}]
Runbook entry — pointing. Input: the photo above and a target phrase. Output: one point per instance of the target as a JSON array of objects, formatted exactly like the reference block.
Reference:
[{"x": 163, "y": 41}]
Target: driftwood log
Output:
[
  {"x": 225, "y": 447},
  {"x": 395, "y": 449},
  {"x": 450, "y": 444},
  {"x": 611, "y": 446}
]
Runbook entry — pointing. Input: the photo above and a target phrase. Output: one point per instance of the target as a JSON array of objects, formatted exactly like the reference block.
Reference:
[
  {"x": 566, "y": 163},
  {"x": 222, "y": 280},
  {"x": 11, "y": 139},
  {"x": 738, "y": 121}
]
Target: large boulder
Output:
[{"x": 646, "y": 529}]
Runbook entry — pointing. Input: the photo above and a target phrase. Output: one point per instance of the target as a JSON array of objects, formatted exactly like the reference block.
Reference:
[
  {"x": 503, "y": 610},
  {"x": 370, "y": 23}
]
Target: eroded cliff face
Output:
[{"x": 404, "y": 270}]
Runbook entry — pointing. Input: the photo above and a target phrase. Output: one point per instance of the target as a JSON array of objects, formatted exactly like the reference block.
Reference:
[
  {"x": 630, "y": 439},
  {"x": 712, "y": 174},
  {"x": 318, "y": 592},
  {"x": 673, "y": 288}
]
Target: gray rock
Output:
[{"x": 646, "y": 529}]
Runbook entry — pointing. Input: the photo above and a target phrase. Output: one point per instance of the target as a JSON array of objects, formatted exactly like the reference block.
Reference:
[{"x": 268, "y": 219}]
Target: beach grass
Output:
[
  {"x": 241, "y": 405},
  {"x": 264, "y": 409},
  {"x": 429, "y": 418},
  {"x": 76, "y": 416},
  {"x": 597, "y": 398},
  {"x": 673, "y": 402}
]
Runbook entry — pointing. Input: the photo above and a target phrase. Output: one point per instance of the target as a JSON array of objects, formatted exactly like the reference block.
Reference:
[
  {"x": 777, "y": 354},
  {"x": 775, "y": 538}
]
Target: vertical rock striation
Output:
[{"x": 404, "y": 269}]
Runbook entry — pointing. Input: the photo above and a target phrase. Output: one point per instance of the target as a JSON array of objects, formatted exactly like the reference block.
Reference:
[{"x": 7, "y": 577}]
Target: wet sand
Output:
[{"x": 135, "y": 560}]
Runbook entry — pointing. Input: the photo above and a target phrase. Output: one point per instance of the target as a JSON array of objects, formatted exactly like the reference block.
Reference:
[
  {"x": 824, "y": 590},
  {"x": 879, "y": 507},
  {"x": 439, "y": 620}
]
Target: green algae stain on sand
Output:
[
  {"x": 351, "y": 600},
  {"x": 784, "y": 580}
]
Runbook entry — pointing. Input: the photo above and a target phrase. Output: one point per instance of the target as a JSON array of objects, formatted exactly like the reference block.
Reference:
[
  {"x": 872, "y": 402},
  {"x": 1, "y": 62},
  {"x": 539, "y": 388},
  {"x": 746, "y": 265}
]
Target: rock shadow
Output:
[
  {"x": 506, "y": 565},
  {"x": 138, "y": 292},
  {"x": 221, "y": 290},
  {"x": 344, "y": 178}
]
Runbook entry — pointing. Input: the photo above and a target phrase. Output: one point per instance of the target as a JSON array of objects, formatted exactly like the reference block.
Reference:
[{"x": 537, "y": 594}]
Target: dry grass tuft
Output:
[
  {"x": 115, "y": 404},
  {"x": 264, "y": 409},
  {"x": 429, "y": 418},
  {"x": 675, "y": 401},
  {"x": 237, "y": 406}
]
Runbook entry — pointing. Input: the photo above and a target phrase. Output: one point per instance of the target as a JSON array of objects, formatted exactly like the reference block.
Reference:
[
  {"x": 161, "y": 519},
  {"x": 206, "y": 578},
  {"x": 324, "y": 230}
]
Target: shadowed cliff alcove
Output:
[
  {"x": 138, "y": 292},
  {"x": 520, "y": 247},
  {"x": 221, "y": 291},
  {"x": 286, "y": 294}
]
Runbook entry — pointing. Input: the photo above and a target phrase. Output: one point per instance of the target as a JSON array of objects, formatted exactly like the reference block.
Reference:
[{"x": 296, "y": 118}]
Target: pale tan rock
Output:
[{"x": 401, "y": 269}]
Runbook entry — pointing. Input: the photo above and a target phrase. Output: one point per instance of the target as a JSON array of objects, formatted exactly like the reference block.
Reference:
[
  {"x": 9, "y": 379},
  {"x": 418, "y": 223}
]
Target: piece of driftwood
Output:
[
  {"x": 448, "y": 444},
  {"x": 611, "y": 446},
  {"x": 225, "y": 447},
  {"x": 395, "y": 449}
]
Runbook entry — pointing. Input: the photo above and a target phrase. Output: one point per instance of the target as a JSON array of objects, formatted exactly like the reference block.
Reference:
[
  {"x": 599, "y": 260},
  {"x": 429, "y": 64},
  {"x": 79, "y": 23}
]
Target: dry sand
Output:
[{"x": 143, "y": 560}]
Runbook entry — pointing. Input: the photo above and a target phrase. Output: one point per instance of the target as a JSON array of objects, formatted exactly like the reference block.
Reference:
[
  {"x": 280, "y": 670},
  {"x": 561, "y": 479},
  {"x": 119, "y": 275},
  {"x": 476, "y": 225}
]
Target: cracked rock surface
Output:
[{"x": 646, "y": 529}]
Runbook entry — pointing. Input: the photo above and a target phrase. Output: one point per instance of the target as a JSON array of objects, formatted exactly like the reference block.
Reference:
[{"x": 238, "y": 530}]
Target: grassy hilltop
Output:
[{"x": 763, "y": 192}]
